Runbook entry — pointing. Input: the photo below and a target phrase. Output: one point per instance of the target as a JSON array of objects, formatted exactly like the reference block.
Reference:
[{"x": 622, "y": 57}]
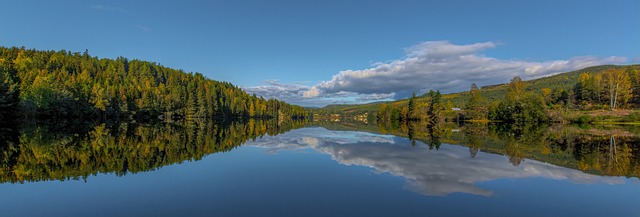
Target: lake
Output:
[{"x": 270, "y": 168}]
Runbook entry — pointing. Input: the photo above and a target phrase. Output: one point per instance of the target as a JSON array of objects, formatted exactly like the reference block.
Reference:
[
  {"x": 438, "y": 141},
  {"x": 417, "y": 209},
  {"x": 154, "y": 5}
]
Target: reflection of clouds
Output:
[
  {"x": 430, "y": 172},
  {"x": 281, "y": 142},
  {"x": 313, "y": 137},
  {"x": 313, "y": 142},
  {"x": 347, "y": 137}
]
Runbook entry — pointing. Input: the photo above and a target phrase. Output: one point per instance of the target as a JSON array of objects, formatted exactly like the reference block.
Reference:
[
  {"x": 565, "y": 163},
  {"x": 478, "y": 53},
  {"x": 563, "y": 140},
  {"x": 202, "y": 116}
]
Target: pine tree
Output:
[
  {"x": 435, "y": 106},
  {"x": 9, "y": 90},
  {"x": 477, "y": 108},
  {"x": 411, "y": 108}
]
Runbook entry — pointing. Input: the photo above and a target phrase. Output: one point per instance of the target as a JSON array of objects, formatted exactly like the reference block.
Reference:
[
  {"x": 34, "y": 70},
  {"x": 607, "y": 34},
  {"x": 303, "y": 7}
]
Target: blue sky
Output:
[{"x": 319, "y": 52}]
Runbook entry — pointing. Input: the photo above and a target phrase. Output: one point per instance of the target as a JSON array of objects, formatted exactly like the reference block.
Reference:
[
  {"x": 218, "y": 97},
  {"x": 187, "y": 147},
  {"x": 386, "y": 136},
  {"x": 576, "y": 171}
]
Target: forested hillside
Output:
[
  {"x": 62, "y": 84},
  {"x": 552, "y": 86},
  {"x": 543, "y": 100},
  {"x": 598, "y": 87}
]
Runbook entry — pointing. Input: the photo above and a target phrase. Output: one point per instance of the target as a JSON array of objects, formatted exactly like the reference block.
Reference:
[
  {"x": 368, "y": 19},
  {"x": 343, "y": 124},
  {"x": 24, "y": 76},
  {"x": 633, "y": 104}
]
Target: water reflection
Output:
[
  {"x": 587, "y": 148},
  {"x": 447, "y": 170},
  {"x": 421, "y": 155},
  {"x": 64, "y": 151}
]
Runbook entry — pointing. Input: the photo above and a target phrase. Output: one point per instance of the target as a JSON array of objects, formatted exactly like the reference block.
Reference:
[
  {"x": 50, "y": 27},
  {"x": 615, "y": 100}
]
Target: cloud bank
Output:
[
  {"x": 294, "y": 93},
  {"x": 437, "y": 65}
]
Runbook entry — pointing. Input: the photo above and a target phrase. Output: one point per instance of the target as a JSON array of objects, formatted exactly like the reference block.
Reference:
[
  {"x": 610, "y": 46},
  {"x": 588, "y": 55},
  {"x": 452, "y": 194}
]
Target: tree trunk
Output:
[
  {"x": 611, "y": 99},
  {"x": 615, "y": 98}
]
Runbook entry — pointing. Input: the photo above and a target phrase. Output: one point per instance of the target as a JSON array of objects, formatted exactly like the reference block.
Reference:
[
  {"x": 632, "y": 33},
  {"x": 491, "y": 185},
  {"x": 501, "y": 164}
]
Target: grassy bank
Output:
[{"x": 605, "y": 117}]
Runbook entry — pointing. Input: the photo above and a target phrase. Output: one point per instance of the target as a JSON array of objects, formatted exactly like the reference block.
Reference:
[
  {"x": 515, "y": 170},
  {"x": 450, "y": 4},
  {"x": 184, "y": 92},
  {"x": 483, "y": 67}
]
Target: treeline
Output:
[
  {"x": 61, "y": 84},
  {"x": 519, "y": 105},
  {"x": 42, "y": 152},
  {"x": 431, "y": 109},
  {"x": 615, "y": 87},
  {"x": 612, "y": 89}
]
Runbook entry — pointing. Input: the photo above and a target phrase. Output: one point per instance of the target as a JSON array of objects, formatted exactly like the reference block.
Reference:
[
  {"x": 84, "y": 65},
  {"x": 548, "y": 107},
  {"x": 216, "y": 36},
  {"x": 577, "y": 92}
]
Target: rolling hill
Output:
[{"x": 563, "y": 81}]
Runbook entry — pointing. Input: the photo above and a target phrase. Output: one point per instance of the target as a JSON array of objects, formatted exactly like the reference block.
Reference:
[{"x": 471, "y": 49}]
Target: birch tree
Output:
[{"x": 617, "y": 87}]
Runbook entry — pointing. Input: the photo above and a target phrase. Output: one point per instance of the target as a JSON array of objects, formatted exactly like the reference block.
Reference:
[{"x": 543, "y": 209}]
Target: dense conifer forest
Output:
[{"x": 63, "y": 84}]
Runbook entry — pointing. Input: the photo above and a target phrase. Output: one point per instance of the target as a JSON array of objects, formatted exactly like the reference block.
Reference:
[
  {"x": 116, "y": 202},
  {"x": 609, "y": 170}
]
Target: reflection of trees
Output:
[
  {"x": 516, "y": 156},
  {"x": 426, "y": 132},
  {"x": 40, "y": 154},
  {"x": 8, "y": 152},
  {"x": 564, "y": 146},
  {"x": 435, "y": 132},
  {"x": 519, "y": 139},
  {"x": 411, "y": 131},
  {"x": 585, "y": 149},
  {"x": 475, "y": 135},
  {"x": 608, "y": 154},
  {"x": 619, "y": 157}
]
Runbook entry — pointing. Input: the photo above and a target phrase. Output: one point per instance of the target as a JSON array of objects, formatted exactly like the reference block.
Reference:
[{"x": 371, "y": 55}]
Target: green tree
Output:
[
  {"x": 435, "y": 106},
  {"x": 477, "y": 107},
  {"x": 520, "y": 106},
  {"x": 9, "y": 89},
  {"x": 617, "y": 85},
  {"x": 634, "y": 77},
  {"x": 412, "y": 111}
]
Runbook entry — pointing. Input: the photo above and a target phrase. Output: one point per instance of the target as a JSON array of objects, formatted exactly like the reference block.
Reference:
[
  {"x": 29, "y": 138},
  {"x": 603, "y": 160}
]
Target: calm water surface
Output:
[{"x": 312, "y": 171}]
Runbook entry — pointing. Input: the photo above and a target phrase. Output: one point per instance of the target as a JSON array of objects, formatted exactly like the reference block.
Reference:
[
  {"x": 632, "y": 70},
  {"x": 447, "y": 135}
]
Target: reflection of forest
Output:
[
  {"x": 605, "y": 151},
  {"x": 74, "y": 151}
]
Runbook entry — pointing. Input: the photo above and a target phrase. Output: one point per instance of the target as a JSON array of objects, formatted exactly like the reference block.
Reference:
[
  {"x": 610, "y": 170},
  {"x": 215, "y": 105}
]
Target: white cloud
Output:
[
  {"x": 376, "y": 96},
  {"x": 437, "y": 65},
  {"x": 440, "y": 65},
  {"x": 295, "y": 93},
  {"x": 313, "y": 92},
  {"x": 277, "y": 90}
]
